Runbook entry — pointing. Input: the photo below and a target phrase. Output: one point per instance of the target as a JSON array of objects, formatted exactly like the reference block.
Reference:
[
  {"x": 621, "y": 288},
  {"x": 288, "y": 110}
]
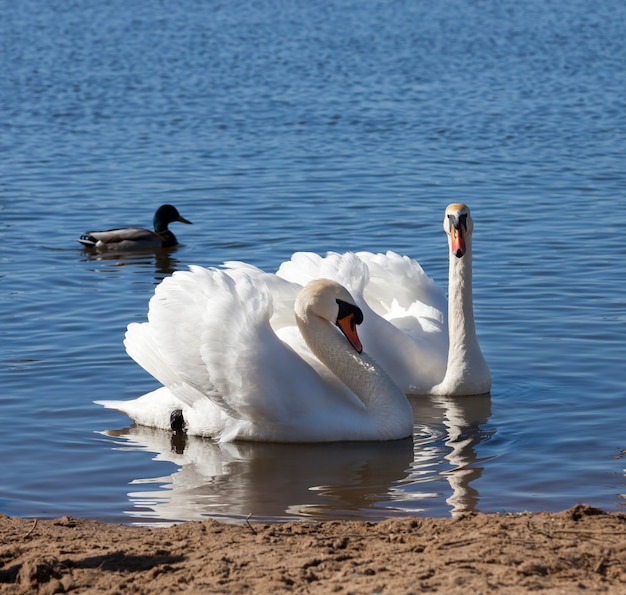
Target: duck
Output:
[
  {"x": 227, "y": 375},
  {"x": 426, "y": 342},
  {"x": 137, "y": 238}
]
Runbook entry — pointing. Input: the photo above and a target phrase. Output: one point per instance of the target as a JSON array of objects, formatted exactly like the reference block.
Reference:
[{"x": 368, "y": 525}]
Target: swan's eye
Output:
[{"x": 354, "y": 312}]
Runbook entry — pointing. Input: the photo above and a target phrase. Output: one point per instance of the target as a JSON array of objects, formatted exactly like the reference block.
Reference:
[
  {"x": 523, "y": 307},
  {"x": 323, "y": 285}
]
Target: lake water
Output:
[{"x": 333, "y": 125}]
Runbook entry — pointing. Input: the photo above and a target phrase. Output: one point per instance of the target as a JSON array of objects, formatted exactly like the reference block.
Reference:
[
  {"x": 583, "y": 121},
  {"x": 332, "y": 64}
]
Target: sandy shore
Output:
[{"x": 579, "y": 550}]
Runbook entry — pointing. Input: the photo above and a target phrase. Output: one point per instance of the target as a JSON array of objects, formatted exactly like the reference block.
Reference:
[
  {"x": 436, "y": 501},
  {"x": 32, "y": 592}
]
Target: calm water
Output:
[{"x": 333, "y": 125}]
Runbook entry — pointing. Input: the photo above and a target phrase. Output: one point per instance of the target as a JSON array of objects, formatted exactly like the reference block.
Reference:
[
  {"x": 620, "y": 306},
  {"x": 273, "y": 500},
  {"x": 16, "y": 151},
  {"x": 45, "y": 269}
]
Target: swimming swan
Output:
[
  {"x": 208, "y": 340},
  {"x": 427, "y": 345},
  {"x": 463, "y": 369},
  {"x": 137, "y": 238}
]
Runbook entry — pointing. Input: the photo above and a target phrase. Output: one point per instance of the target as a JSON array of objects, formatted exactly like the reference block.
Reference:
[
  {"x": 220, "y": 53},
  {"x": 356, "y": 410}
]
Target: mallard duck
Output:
[{"x": 137, "y": 238}]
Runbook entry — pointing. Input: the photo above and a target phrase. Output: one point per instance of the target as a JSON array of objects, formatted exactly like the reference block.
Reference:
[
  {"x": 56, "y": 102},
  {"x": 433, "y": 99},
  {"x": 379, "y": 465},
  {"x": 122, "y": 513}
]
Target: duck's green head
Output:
[{"x": 165, "y": 215}]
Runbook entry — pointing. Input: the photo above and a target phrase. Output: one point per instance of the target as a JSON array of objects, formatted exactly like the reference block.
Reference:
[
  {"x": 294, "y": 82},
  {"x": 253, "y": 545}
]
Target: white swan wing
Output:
[
  {"x": 223, "y": 343},
  {"x": 283, "y": 291},
  {"x": 398, "y": 286},
  {"x": 346, "y": 269}
]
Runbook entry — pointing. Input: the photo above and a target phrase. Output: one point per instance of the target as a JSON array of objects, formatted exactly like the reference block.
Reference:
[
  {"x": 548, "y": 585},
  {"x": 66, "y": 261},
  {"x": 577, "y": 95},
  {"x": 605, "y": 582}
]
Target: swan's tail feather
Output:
[{"x": 152, "y": 409}]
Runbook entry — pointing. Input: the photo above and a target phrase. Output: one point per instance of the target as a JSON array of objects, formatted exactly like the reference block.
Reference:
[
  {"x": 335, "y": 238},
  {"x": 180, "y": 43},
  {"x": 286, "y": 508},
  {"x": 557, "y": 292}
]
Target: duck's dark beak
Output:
[{"x": 183, "y": 220}]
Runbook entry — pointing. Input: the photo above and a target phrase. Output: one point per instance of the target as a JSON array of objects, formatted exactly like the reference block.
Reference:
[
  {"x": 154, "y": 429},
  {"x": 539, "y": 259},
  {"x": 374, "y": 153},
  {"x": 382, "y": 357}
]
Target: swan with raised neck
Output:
[
  {"x": 425, "y": 341},
  {"x": 467, "y": 372}
]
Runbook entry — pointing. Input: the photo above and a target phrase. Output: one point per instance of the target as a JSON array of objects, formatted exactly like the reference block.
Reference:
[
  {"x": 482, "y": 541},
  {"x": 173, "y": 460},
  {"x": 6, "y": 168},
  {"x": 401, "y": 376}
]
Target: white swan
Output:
[
  {"x": 467, "y": 372},
  {"x": 209, "y": 342},
  {"x": 416, "y": 362},
  {"x": 426, "y": 345}
]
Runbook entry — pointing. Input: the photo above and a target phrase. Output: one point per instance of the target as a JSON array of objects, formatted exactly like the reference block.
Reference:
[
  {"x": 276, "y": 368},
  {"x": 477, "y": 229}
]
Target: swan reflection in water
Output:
[
  {"x": 463, "y": 421},
  {"x": 342, "y": 480}
]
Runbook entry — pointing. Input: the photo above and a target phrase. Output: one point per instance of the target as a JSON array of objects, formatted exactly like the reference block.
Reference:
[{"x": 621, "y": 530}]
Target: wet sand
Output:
[{"x": 581, "y": 549}]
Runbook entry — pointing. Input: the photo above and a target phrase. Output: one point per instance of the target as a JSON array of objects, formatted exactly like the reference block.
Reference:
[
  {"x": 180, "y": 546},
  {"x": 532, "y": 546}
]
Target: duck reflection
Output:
[
  {"x": 268, "y": 481},
  {"x": 364, "y": 480},
  {"x": 161, "y": 259}
]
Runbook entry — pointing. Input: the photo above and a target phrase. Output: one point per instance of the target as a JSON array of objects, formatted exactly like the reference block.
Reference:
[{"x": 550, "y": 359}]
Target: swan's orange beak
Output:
[
  {"x": 457, "y": 235},
  {"x": 347, "y": 325}
]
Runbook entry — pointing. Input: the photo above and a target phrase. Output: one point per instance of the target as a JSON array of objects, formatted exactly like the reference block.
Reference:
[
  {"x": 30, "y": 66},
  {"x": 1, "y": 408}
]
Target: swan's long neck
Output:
[
  {"x": 386, "y": 406},
  {"x": 461, "y": 326},
  {"x": 467, "y": 372}
]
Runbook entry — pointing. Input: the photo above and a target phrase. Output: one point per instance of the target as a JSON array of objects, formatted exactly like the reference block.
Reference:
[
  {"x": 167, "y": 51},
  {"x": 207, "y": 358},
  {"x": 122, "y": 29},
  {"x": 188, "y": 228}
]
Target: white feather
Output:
[{"x": 208, "y": 339}]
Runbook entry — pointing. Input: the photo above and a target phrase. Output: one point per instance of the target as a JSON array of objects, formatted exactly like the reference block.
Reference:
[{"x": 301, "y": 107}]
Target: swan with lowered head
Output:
[
  {"x": 413, "y": 361},
  {"x": 427, "y": 345},
  {"x": 136, "y": 238},
  {"x": 208, "y": 340}
]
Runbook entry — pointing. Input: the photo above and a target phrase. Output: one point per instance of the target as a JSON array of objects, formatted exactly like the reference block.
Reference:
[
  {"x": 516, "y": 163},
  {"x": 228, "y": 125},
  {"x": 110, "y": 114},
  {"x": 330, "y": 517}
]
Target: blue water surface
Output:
[{"x": 330, "y": 125}]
